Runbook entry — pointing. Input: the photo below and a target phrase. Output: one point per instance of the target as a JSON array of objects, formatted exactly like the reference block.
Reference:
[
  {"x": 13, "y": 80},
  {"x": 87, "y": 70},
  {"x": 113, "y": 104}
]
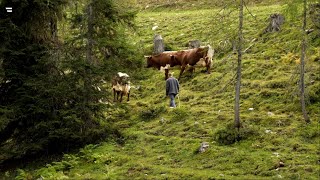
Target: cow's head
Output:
[
  {"x": 173, "y": 60},
  {"x": 149, "y": 61}
]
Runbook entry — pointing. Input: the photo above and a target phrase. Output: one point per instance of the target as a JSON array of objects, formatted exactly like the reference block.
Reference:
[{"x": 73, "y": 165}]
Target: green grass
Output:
[{"x": 162, "y": 143}]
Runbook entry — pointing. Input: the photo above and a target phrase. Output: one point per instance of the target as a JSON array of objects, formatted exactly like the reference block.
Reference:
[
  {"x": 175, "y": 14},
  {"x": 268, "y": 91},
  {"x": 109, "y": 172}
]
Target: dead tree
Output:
[
  {"x": 238, "y": 82},
  {"x": 302, "y": 64},
  {"x": 276, "y": 20},
  {"x": 194, "y": 44},
  {"x": 158, "y": 46}
]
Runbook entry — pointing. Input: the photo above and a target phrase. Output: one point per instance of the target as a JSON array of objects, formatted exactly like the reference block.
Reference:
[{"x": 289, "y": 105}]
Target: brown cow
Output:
[
  {"x": 159, "y": 60},
  {"x": 201, "y": 56}
]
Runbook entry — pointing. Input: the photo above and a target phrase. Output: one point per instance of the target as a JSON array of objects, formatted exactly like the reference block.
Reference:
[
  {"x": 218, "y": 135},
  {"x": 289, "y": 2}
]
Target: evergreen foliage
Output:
[{"x": 50, "y": 95}]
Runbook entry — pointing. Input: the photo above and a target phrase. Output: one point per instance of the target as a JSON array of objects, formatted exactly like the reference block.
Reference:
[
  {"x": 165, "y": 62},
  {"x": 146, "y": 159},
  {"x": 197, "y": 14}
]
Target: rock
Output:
[
  {"x": 270, "y": 114},
  {"x": 203, "y": 147},
  {"x": 268, "y": 131},
  {"x": 281, "y": 164},
  {"x": 276, "y": 154},
  {"x": 154, "y": 28}
]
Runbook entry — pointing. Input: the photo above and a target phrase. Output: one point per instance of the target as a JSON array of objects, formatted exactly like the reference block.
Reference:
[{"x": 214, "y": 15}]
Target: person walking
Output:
[{"x": 172, "y": 89}]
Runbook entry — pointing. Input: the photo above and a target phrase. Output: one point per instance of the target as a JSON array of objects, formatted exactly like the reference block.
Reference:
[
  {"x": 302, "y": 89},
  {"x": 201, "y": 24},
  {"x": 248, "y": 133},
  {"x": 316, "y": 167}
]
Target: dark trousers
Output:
[{"x": 172, "y": 103}]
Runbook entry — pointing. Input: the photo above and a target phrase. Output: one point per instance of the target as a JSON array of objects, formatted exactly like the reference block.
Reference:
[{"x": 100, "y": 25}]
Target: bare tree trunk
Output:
[
  {"x": 54, "y": 29},
  {"x": 302, "y": 65},
  {"x": 238, "y": 83}
]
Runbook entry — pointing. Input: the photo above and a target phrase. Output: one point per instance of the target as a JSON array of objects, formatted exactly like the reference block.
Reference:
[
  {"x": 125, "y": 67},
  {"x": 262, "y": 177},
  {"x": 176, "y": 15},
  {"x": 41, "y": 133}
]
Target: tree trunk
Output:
[
  {"x": 54, "y": 29},
  {"x": 89, "y": 59},
  {"x": 89, "y": 35},
  {"x": 238, "y": 83},
  {"x": 302, "y": 65},
  {"x": 158, "y": 44}
]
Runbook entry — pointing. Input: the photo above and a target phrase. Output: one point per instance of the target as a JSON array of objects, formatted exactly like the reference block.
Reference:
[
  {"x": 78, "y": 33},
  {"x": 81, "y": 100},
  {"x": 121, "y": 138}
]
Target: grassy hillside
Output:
[{"x": 162, "y": 143}]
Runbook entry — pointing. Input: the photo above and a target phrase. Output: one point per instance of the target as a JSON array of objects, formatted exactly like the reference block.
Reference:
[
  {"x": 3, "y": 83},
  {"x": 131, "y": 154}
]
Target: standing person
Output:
[{"x": 172, "y": 89}]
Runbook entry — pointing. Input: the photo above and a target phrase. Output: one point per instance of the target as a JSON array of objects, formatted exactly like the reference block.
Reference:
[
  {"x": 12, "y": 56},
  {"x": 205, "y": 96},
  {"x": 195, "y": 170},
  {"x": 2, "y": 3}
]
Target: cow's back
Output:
[
  {"x": 192, "y": 56},
  {"x": 163, "y": 58}
]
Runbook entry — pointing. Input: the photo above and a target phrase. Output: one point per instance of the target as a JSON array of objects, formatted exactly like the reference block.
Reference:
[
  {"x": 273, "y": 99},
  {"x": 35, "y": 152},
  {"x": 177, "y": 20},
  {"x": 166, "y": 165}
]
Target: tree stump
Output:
[
  {"x": 276, "y": 20},
  {"x": 194, "y": 44},
  {"x": 158, "y": 46}
]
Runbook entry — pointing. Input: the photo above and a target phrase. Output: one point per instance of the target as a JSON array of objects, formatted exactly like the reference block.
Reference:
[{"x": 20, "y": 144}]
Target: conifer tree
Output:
[{"x": 50, "y": 92}]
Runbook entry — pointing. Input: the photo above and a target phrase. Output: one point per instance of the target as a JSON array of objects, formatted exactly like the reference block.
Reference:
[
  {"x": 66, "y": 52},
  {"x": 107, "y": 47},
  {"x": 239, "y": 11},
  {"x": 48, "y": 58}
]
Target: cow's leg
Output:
[
  {"x": 183, "y": 67},
  {"x": 208, "y": 69},
  {"x": 208, "y": 62},
  {"x": 166, "y": 74},
  {"x": 114, "y": 95},
  {"x": 193, "y": 69},
  {"x": 118, "y": 92},
  {"x": 121, "y": 94},
  {"x": 128, "y": 96}
]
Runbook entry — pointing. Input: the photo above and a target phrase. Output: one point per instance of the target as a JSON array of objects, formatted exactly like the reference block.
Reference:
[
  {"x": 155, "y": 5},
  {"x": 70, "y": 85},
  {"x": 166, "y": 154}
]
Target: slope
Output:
[{"x": 162, "y": 143}]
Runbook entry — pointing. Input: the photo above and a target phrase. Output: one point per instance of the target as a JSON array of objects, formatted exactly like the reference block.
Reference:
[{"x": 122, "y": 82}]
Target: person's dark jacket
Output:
[{"x": 172, "y": 86}]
